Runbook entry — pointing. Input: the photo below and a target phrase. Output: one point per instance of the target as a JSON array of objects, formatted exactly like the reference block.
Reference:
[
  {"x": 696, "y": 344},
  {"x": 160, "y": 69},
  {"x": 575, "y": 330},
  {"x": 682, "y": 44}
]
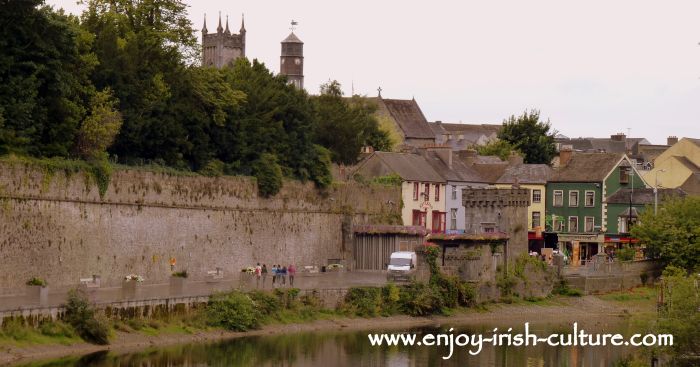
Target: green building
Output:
[{"x": 577, "y": 193}]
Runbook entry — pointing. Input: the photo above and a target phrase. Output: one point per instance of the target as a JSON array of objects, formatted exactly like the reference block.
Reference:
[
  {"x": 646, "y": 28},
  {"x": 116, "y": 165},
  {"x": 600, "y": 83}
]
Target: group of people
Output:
[{"x": 279, "y": 274}]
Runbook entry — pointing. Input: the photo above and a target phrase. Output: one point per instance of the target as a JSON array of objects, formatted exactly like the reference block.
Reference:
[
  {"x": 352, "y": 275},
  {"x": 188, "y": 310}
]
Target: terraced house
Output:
[{"x": 576, "y": 199}]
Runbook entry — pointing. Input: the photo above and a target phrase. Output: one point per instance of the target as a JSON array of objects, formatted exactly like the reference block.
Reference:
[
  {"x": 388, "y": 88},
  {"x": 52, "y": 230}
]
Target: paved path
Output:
[{"x": 334, "y": 280}]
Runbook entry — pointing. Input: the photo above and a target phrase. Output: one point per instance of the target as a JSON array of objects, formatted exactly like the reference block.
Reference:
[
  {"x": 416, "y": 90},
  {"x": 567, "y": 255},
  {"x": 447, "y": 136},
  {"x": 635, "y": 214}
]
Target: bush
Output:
[
  {"x": 213, "y": 168},
  {"x": 418, "y": 299},
  {"x": 36, "y": 281},
  {"x": 234, "y": 311},
  {"x": 180, "y": 274},
  {"x": 268, "y": 174},
  {"x": 562, "y": 289},
  {"x": 268, "y": 304},
  {"x": 287, "y": 296},
  {"x": 363, "y": 301},
  {"x": 56, "y": 329},
  {"x": 81, "y": 315}
]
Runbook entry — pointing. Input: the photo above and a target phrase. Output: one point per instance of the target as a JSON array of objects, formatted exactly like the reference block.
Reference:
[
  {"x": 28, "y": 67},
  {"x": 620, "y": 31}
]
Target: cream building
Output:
[
  {"x": 677, "y": 167},
  {"x": 533, "y": 177},
  {"x": 422, "y": 187}
]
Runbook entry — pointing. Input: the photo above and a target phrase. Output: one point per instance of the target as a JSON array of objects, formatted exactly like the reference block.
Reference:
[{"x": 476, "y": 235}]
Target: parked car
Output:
[{"x": 402, "y": 266}]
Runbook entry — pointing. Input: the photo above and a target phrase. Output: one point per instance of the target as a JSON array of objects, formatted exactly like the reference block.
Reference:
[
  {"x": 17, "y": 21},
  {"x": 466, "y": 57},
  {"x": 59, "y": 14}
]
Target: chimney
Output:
[
  {"x": 515, "y": 159},
  {"x": 618, "y": 137},
  {"x": 443, "y": 152},
  {"x": 438, "y": 122},
  {"x": 671, "y": 140},
  {"x": 468, "y": 156},
  {"x": 564, "y": 156}
]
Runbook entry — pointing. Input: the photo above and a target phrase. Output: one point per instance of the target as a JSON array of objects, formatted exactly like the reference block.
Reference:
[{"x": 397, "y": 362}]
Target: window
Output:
[
  {"x": 624, "y": 175},
  {"x": 437, "y": 192},
  {"x": 535, "y": 219},
  {"x": 419, "y": 218},
  {"x": 426, "y": 186},
  {"x": 415, "y": 191},
  {"x": 623, "y": 225},
  {"x": 558, "y": 198},
  {"x": 573, "y": 224},
  {"x": 590, "y": 223},
  {"x": 557, "y": 223},
  {"x": 590, "y": 198},
  {"x": 536, "y": 196},
  {"x": 488, "y": 227},
  {"x": 454, "y": 192},
  {"x": 438, "y": 221},
  {"x": 453, "y": 218},
  {"x": 573, "y": 198}
]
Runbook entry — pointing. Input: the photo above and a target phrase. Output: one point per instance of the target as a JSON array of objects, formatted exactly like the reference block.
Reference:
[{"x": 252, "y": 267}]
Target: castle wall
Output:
[{"x": 58, "y": 227}]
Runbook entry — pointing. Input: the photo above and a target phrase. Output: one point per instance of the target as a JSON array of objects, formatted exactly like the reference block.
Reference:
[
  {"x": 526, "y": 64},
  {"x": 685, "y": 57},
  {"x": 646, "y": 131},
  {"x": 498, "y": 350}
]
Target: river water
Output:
[{"x": 336, "y": 349}]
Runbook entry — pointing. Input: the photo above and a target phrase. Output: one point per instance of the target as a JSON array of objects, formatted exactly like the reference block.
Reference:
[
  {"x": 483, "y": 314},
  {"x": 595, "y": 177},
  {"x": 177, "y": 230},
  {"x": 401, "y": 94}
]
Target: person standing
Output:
[
  {"x": 258, "y": 273},
  {"x": 264, "y": 275},
  {"x": 274, "y": 275},
  {"x": 292, "y": 270},
  {"x": 284, "y": 275}
]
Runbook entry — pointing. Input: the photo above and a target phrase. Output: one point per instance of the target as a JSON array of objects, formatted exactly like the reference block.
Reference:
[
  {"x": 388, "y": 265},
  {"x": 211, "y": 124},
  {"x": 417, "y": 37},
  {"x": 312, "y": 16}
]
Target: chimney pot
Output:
[{"x": 671, "y": 140}]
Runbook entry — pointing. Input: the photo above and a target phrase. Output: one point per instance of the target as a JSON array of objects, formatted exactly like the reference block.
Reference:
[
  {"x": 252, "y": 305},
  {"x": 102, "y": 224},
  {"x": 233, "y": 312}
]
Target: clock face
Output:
[{"x": 297, "y": 61}]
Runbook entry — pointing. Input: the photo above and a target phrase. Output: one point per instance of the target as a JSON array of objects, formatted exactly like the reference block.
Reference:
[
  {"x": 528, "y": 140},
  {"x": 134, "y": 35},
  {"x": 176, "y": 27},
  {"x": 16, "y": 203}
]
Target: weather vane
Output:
[{"x": 294, "y": 25}]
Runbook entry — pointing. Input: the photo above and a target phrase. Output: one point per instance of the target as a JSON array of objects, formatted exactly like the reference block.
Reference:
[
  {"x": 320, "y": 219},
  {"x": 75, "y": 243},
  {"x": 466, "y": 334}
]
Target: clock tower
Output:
[{"x": 292, "y": 59}]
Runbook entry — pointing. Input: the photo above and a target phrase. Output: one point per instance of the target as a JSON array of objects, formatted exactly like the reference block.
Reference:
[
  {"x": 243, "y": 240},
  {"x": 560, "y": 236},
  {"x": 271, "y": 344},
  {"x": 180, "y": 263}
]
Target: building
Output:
[
  {"x": 533, "y": 177},
  {"x": 292, "y": 60},
  {"x": 373, "y": 244},
  {"x": 464, "y": 136},
  {"x": 459, "y": 173},
  {"x": 406, "y": 120},
  {"x": 576, "y": 199},
  {"x": 624, "y": 207},
  {"x": 223, "y": 47},
  {"x": 422, "y": 187},
  {"x": 677, "y": 167}
]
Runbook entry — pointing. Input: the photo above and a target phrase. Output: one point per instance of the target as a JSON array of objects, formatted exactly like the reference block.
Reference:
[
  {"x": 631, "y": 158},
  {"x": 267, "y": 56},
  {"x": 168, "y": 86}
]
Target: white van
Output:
[{"x": 402, "y": 266}]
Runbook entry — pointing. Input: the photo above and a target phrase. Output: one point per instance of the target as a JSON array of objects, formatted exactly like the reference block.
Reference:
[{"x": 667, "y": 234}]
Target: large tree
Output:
[
  {"x": 530, "y": 136},
  {"x": 344, "y": 127},
  {"x": 674, "y": 233},
  {"x": 45, "y": 64}
]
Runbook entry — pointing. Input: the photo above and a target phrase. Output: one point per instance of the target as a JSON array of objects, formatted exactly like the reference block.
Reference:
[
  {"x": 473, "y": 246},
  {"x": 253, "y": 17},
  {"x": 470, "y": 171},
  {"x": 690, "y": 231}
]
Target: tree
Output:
[
  {"x": 100, "y": 127},
  {"x": 500, "y": 148},
  {"x": 530, "y": 136},
  {"x": 345, "y": 127},
  {"x": 45, "y": 64},
  {"x": 673, "y": 234}
]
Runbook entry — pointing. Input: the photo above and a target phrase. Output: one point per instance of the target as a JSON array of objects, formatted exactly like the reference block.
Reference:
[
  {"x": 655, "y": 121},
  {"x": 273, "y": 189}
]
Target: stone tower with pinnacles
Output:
[{"x": 223, "y": 47}]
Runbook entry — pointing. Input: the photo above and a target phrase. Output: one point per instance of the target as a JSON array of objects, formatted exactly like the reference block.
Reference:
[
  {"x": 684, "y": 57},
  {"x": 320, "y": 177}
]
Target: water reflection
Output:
[{"x": 351, "y": 349}]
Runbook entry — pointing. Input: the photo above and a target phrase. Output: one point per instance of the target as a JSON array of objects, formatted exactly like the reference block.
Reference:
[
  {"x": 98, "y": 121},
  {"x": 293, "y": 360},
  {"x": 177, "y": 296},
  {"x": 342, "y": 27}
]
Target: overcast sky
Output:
[{"x": 594, "y": 68}]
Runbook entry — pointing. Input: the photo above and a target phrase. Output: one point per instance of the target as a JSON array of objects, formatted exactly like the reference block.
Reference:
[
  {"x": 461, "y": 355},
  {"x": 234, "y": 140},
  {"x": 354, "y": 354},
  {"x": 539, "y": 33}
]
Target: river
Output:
[{"x": 337, "y": 349}]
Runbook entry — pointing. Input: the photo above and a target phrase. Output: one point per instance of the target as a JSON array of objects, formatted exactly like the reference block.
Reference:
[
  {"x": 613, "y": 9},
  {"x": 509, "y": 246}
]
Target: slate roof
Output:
[
  {"x": 292, "y": 38},
  {"x": 491, "y": 172},
  {"x": 586, "y": 167},
  {"x": 460, "y": 171},
  {"x": 526, "y": 174},
  {"x": 411, "y": 167},
  {"x": 641, "y": 196},
  {"x": 604, "y": 145},
  {"x": 410, "y": 118}
]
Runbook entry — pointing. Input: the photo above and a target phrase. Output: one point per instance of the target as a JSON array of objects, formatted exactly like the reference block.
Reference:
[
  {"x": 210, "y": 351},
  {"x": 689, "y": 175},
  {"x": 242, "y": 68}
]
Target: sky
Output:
[{"x": 593, "y": 68}]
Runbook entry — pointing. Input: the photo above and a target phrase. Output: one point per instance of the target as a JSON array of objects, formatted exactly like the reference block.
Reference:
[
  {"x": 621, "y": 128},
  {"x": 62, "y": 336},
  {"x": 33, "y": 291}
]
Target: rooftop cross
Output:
[{"x": 380, "y": 91}]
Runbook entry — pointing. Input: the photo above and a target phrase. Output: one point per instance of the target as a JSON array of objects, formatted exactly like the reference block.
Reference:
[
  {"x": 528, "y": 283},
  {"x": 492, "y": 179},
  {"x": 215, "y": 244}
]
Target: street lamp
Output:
[
  {"x": 629, "y": 214},
  {"x": 656, "y": 190}
]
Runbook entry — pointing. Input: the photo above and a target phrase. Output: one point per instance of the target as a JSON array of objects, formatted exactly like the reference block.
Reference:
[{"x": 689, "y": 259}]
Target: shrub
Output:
[
  {"x": 287, "y": 296},
  {"x": 81, "y": 315},
  {"x": 268, "y": 174},
  {"x": 562, "y": 288},
  {"x": 268, "y": 304},
  {"x": 36, "y": 281},
  {"x": 363, "y": 301},
  {"x": 234, "y": 311},
  {"x": 180, "y": 274},
  {"x": 213, "y": 168},
  {"x": 56, "y": 329},
  {"x": 418, "y": 299}
]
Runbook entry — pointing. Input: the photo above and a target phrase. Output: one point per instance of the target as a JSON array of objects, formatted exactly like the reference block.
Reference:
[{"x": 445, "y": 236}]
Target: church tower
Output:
[
  {"x": 223, "y": 47},
  {"x": 292, "y": 59}
]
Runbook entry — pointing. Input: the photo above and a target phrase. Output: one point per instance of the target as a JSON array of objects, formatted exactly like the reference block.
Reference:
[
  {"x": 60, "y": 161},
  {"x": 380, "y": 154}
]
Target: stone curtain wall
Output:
[{"x": 58, "y": 227}]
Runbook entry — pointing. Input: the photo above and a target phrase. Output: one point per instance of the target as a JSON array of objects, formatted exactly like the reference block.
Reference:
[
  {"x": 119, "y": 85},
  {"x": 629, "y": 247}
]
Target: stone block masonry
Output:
[{"x": 58, "y": 227}]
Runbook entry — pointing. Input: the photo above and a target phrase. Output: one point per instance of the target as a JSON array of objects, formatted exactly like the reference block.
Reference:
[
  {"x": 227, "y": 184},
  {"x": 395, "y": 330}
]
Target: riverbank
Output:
[{"x": 589, "y": 311}]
